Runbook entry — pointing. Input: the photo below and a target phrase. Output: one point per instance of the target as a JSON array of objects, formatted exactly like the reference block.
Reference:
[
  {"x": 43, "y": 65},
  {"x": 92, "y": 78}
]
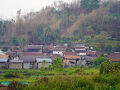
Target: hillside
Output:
[{"x": 97, "y": 25}]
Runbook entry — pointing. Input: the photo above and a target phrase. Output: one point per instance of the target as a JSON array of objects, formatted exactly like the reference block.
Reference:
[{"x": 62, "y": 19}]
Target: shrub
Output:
[
  {"x": 99, "y": 60},
  {"x": 61, "y": 83},
  {"x": 99, "y": 79},
  {"x": 108, "y": 79},
  {"x": 80, "y": 70},
  {"x": 84, "y": 84},
  {"x": 107, "y": 68},
  {"x": 12, "y": 75},
  {"x": 15, "y": 85},
  {"x": 41, "y": 80}
]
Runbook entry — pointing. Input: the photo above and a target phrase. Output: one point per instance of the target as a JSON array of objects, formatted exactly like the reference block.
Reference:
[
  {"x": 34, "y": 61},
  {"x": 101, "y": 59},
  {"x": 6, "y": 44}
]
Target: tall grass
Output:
[
  {"x": 75, "y": 83},
  {"x": 67, "y": 79}
]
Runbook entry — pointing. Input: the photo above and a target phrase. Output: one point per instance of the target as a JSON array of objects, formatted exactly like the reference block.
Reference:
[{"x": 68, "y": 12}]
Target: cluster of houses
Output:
[{"x": 33, "y": 56}]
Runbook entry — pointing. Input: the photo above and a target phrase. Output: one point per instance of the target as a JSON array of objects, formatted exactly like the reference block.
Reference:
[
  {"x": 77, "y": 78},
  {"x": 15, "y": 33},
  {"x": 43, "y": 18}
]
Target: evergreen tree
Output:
[
  {"x": 99, "y": 60},
  {"x": 14, "y": 41},
  {"x": 57, "y": 63},
  {"x": 90, "y": 5}
]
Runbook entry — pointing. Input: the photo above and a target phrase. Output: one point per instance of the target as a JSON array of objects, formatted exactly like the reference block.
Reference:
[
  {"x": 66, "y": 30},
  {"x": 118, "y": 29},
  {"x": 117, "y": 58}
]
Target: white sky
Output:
[{"x": 8, "y": 8}]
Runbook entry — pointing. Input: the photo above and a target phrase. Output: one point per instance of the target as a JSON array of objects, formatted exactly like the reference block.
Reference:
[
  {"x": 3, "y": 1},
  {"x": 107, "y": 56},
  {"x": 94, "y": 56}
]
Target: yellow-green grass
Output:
[{"x": 29, "y": 75}]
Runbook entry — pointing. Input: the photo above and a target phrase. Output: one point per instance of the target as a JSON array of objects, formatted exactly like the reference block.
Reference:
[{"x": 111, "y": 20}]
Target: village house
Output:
[
  {"x": 70, "y": 54},
  {"x": 29, "y": 62},
  {"x": 31, "y": 53},
  {"x": 16, "y": 64},
  {"x": 72, "y": 61},
  {"x": 44, "y": 43},
  {"x": 3, "y": 61},
  {"x": 74, "y": 45},
  {"x": 29, "y": 59},
  {"x": 59, "y": 50},
  {"x": 115, "y": 57},
  {"x": 89, "y": 59},
  {"x": 2, "y": 53},
  {"x": 80, "y": 49},
  {"x": 91, "y": 53},
  {"x": 44, "y": 61},
  {"x": 34, "y": 48}
]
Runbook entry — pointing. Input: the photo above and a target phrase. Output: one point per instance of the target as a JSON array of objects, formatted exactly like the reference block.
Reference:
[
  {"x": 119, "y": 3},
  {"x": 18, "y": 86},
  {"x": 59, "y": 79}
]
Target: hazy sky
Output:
[{"x": 8, "y": 8}]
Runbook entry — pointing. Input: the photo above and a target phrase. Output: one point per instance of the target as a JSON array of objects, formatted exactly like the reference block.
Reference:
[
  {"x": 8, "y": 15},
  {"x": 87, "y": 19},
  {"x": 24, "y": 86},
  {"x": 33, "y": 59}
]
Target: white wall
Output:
[
  {"x": 82, "y": 54},
  {"x": 58, "y": 53},
  {"x": 26, "y": 65}
]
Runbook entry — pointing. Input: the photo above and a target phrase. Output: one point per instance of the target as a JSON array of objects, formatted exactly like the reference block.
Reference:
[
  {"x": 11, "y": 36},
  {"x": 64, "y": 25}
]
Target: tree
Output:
[
  {"x": 117, "y": 48},
  {"x": 23, "y": 42},
  {"x": 57, "y": 63},
  {"x": 43, "y": 64},
  {"x": 101, "y": 39},
  {"x": 104, "y": 67},
  {"x": 48, "y": 35},
  {"x": 4, "y": 49},
  {"x": 57, "y": 34},
  {"x": 14, "y": 41},
  {"x": 90, "y": 5},
  {"x": 99, "y": 60},
  {"x": 38, "y": 34},
  {"x": 108, "y": 48}
]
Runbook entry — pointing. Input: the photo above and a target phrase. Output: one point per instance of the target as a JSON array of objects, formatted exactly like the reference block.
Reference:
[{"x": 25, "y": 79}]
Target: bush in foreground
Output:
[
  {"x": 15, "y": 85},
  {"x": 74, "y": 83},
  {"x": 12, "y": 75}
]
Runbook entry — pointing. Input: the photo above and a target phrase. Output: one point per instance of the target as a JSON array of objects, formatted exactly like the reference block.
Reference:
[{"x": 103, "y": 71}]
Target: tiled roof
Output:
[
  {"x": 11, "y": 53},
  {"x": 28, "y": 58},
  {"x": 70, "y": 54},
  {"x": 90, "y": 58},
  {"x": 91, "y": 52},
  {"x": 59, "y": 49},
  {"x": 32, "y": 53},
  {"x": 32, "y": 58},
  {"x": 72, "y": 57},
  {"x": 78, "y": 45},
  {"x": 34, "y": 46},
  {"x": 16, "y": 61},
  {"x": 56, "y": 56},
  {"x": 114, "y": 57},
  {"x": 4, "y": 56}
]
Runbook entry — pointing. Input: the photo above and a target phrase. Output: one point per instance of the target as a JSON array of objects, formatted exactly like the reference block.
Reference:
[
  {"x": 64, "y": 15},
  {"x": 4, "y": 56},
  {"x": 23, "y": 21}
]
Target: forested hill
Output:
[{"x": 84, "y": 21}]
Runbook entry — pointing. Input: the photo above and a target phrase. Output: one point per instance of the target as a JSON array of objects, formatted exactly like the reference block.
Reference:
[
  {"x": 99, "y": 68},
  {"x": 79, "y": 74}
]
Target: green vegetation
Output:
[
  {"x": 108, "y": 67},
  {"x": 89, "y": 5},
  {"x": 75, "y": 83},
  {"x": 57, "y": 63},
  {"x": 4, "y": 49},
  {"x": 107, "y": 78},
  {"x": 15, "y": 85},
  {"x": 99, "y": 60},
  {"x": 12, "y": 75},
  {"x": 93, "y": 23},
  {"x": 14, "y": 41},
  {"x": 90, "y": 23},
  {"x": 30, "y": 74}
]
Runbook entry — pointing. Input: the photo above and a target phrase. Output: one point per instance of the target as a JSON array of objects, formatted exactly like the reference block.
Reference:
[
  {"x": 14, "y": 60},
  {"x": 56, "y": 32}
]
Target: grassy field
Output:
[
  {"x": 73, "y": 82},
  {"x": 62, "y": 79},
  {"x": 30, "y": 75}
]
